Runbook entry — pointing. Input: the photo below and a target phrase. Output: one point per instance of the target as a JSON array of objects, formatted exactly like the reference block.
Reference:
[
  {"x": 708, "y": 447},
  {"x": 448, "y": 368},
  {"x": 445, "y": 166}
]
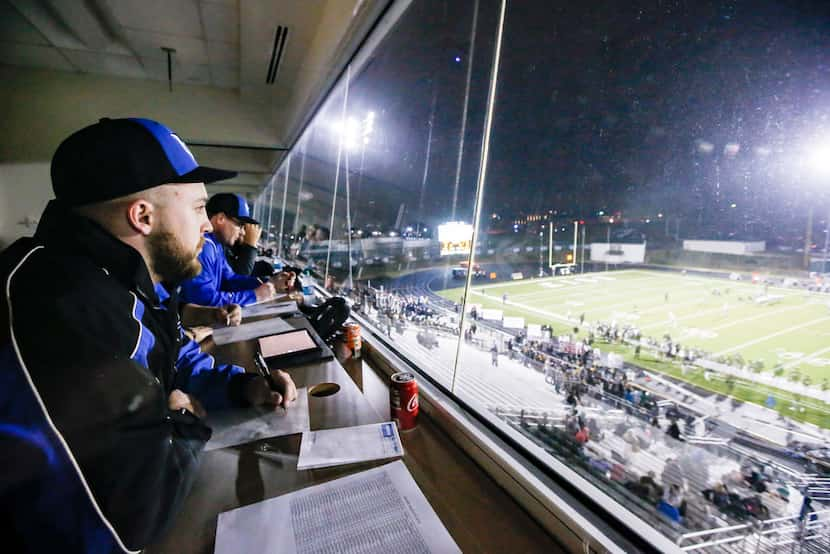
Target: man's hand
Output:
[
  {"x": 230, "y": 315},
  {"x": 178, "y": 400},
  {"x": 296, "y": 296},
  {"x": 284, "y": 281},
  {"x": 251, "y": 233},
  {"x": 257, "y": 392},
  {"x": 265, "y": 292},
  {"x": 286, "y": 386},
  {"x": 198, "y": 334}
]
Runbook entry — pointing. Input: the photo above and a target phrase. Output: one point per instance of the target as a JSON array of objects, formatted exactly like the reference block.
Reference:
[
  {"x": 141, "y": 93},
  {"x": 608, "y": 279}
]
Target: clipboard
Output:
[
  {"x": 287, "y": 344},
  {"x": 297, "y": 346}
]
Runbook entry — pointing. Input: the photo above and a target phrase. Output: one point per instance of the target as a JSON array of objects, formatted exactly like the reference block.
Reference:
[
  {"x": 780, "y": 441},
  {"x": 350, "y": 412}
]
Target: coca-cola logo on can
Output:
[{"x": 412, "y": 405}]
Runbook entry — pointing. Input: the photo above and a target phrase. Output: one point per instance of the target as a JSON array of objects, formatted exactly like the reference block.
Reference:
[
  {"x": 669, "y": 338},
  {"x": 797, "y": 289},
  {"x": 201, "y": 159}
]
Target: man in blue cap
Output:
[
  {"x": 218, "y": 284},
  {"x": 101, "y": 394},
  {"x": 241, "y": 255}
]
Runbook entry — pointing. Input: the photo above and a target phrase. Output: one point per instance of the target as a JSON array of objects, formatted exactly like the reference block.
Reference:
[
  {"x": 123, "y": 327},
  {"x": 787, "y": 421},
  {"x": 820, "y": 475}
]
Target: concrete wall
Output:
[
  {"x": 735, "y": 247},
  {"x": 40, "y": 108},
  {"x": 618, "y": 253},
  {"x": 24, "y": 190}
]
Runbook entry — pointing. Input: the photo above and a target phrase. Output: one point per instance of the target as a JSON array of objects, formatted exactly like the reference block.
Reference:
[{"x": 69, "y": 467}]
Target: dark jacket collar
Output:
[{"x": 62, "y": 228}]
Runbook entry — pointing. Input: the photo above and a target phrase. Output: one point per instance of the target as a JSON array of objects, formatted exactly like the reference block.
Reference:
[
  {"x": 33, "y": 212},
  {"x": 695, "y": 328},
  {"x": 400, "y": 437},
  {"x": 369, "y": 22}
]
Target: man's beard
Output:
[{"x": 170, "y": 260}]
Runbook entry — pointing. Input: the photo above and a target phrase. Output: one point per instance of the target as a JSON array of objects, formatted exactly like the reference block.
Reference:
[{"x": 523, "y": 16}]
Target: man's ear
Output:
[{"x": 142, "y": 215}]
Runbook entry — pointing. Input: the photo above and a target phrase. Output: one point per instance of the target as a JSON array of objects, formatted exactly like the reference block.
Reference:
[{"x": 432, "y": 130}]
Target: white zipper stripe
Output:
[{"x": 46, "y": 412}]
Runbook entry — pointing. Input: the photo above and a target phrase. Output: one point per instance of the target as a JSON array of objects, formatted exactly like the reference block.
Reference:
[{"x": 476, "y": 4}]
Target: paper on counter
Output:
[
  {"x": 248, "y": 331},
  {"x": 269, "y": 308},
  {"x": 349, "y": 445},
  {"x": 232, "y": 427},
  {"x": 377, "y": 511}
]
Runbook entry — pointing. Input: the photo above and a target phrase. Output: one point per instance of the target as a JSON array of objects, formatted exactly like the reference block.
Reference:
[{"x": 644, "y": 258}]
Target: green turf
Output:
[
  {"x": 791, "y": 333},
  {"x": 786, "y": 403}
]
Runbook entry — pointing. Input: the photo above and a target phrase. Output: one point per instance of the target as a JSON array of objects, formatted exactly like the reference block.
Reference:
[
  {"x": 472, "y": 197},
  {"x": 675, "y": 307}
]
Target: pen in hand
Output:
[{"x": 264, "y": 370}]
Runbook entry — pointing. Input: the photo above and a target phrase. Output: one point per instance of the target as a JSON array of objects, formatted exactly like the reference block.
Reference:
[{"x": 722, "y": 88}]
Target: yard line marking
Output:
[
  {"x": 694, "y": 315},
  {"x": 806, "y": 358},
  {"x": 714, "y": 310},
  {"x": 771, "y": 335},
  {"x": 577, "y": 290},
  {"x": 601, "y": 307},
  {"x": 602, "y": 290},
  {"x": 643, "y": 299},
  {"x": 514, "y": 283},
  {"x": 759, "y": 316},
  {"x": 533, "y": 281},
  {"x": 532, "y": 310}
]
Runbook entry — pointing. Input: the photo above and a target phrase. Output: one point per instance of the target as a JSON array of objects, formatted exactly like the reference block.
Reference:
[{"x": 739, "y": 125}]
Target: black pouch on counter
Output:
[
  {"x": 188, "y": 426},
  {"x": 328, "y": 317}
]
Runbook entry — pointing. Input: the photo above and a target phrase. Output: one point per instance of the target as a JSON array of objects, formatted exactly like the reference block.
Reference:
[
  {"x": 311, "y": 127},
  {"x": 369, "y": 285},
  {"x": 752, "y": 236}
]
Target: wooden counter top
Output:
[{"x": 479, "y": 515}]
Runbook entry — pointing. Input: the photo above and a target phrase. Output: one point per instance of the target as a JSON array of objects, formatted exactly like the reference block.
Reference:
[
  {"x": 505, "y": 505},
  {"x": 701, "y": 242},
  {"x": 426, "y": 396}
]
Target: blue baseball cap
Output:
[
  {"x": 118, "y": 157},
  {"x": 232, "y": 205}
]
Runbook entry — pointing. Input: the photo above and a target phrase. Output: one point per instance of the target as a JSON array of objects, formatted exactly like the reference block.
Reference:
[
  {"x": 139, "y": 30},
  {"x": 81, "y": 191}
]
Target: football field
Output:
[{"x": 773, "y": 325}]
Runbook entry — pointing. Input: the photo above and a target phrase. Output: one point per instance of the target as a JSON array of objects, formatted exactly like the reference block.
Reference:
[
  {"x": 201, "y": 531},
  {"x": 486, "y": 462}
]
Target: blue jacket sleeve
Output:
[
  {"x": 208, "y": 288},
  {"x": 198, "y": 374},
  {"x": 232, "y": 281}
]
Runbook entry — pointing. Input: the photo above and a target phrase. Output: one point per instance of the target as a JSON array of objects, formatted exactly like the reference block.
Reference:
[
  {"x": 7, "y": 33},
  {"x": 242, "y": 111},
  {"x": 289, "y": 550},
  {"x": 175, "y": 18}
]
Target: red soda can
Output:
[
  {"x": 351, "y": 334},
  {"x": 404, "y": 400}
]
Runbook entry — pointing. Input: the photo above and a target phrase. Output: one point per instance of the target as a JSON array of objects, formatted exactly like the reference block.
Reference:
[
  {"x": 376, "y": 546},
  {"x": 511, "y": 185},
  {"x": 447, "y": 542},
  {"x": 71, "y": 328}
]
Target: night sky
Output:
[
  {"x": 620, "y": 105},
  {"x": 680, "y": 107}
]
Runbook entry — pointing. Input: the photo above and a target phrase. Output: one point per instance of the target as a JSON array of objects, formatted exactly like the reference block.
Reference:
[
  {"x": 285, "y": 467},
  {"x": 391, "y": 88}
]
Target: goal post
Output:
[{"x": 563, "y": 268}]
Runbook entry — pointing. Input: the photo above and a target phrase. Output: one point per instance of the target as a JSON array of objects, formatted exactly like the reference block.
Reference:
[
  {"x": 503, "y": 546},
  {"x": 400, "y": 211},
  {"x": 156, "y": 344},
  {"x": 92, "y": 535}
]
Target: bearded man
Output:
[
  {"x": 217, "y": 284},
  {"x": 101, "y": 395}
]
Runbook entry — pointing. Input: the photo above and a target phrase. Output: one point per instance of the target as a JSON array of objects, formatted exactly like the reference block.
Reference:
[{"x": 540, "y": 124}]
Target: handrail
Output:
[
  {"x": 765, "y": 528},
  {"x": 691, "y": 547}
]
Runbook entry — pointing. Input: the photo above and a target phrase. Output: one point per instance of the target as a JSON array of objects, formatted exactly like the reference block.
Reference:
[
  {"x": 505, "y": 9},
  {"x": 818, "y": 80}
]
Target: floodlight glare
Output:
[
  {"x": 818, "y": 158},
  {"x": 354, "y": 133}
]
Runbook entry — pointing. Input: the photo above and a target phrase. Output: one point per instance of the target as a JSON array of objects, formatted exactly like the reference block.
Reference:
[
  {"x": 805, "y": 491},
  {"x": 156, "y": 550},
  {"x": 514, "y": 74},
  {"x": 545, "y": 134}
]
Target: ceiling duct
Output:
[{"x": 277, "y": 52}]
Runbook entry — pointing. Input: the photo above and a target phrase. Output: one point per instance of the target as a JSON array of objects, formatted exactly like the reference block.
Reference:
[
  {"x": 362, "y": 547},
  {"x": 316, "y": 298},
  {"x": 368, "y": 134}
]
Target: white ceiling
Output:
[{"x": 220, "y": 43}]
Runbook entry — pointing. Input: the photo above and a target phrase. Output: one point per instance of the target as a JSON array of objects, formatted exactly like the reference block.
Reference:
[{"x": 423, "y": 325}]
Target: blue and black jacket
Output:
[
  {"x": 217, "y": 284},
  {"x": 91, "y": 459}
]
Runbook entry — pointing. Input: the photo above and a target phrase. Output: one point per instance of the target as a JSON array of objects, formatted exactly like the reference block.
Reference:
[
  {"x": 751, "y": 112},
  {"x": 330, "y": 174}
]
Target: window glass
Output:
[
  {"x": 315, "y": 200},
  {"x": 411, "y": 177},
  {"x": 633, "y": 282},
  {"x": 276, "y": 197},
  {"x": 656, "y": 210},
  {"x": 262, "y": 211},
  {"x": 293, "y": 200}
]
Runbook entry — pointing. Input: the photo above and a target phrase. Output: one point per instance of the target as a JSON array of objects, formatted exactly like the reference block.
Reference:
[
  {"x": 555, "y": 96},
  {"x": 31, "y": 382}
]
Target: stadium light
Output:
[
  {"x": 355, "y": 133},
  {"x": 818, "y": 158},
  {"x": 816, "y": 161}
]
